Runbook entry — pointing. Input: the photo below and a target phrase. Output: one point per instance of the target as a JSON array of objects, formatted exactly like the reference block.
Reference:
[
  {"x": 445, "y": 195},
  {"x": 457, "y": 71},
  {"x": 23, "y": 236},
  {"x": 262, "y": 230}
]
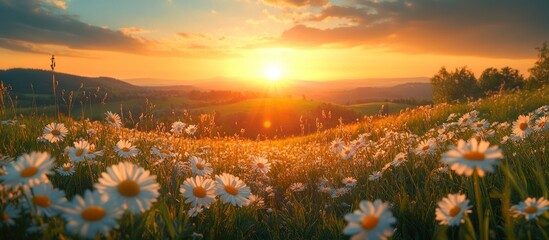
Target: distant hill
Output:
[
  {"x": 417, "y": 91},
  {"x": 21, "y": 80}
]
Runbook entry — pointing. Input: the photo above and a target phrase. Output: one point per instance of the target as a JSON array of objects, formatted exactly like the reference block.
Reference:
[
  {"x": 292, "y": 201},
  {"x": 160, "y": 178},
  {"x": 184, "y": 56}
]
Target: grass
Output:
[
  {"x": 370, "y": 109},
  {"x": 412, "y": 189}
]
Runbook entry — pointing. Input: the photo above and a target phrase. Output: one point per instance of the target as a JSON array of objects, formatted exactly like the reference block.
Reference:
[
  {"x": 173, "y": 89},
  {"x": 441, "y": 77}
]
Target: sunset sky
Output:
[{"x": 304, "y": 39}]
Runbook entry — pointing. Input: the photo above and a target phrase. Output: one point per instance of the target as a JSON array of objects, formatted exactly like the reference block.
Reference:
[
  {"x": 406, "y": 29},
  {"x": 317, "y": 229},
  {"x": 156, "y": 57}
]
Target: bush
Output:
[
  {"x": 493, "y": 80},
  {"x": 454, "y": 86}
]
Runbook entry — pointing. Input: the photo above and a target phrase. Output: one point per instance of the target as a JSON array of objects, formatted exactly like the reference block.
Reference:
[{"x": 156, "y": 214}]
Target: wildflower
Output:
[
  {"x": 130, "y": 185},
  {"x": 79, "y": 151},
  {"x": 199, "y": 166},
  {"x": 92, "y": 214},
  {"x": 44, "y": 199},
  {"x": 349, "y": 181},
  {"x": 66, "y": 170},
  {"x": 255, "y": 200},
  {"x": 339, "y": 192},
  {"x": 471, "y": 156},
  {"x": 198, "y": 191},
  {"x": 426, "y": 147},
  {"x": 451, "y": 209},
  {"x": 521, "y": 127},
  {"x": 375, "y": 175},
  {"x": 194, "y": 211},
  {"x": 346, "y": 152},
  {"x": 93, "y": 152},
  {"x": 297, "y": 187},
  {"x": 28, "y": 169},
  {"x": 531, "y": 208},
  {"x": 191, "y": 129},
  {"x": 370, "y": 221},
  {"x": 261, "y": 165},
  {"x": 231, "y": 189},
  {"x": 480, "y": 125},
  {"x": 178, "y": 127},
  {"x": 125, "y": 149},
  {"x": 162, "y": 152},
  {"x": 399, "y": 159},
  {"x": 55, "y": 132},
  {"x": 336, "y": 145},
  {"x": 113, "y": 119},
  {"x": 9, "y": 214},
  {"x": 541, "y": 124}
]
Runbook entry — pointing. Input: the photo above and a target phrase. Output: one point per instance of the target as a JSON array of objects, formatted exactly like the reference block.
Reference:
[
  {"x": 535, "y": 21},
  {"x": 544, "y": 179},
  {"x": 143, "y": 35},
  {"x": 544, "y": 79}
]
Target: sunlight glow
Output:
[
  {"x": 272, "y": 72},
  {"x": 267, "y": 124}
]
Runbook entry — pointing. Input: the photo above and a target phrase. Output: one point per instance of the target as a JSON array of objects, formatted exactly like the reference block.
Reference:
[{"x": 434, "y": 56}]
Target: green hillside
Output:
[{"x": 374, "y": 108}]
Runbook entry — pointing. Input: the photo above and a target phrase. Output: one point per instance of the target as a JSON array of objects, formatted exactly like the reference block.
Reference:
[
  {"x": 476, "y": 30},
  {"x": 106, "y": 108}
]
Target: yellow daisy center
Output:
[
  {"x": 541, "y": 124},
  {"x": 523, "y": 126},
  {"x": 29, "y": 172},
  {"x": 199, "y": 166},
  {"x": 425, "y": 148},
  {"x": 79, "y": 152},
  {"x": 369, "y": 222},
  {"x": 349, "y": 181},
  {"x": 112, "y": 120},
  {"x": 336, "y": 145},
  {"x": 454, "y": 211},
  {"x": 66, "y": 168},
  {"x": 55, "y": 132},
  {"x": 474, "y": 156},
  {"x": 5, "y": 217},
  {"x": 93, "y": 213},
  {"x": 260, "y": 165},
  {"x": 231, "y": 190},
  {"x": 41, "y": 201},
  {"x": 480, "y": 124},
  {"x": 128, "y": 188},
  {"x": 531, "y": 209},
  {"x": 199, "y": 192}
]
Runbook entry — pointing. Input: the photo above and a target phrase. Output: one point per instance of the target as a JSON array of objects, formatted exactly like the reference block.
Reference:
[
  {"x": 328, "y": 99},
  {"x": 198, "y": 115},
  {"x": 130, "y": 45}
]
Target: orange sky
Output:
[{"x": 305, "y": 39}]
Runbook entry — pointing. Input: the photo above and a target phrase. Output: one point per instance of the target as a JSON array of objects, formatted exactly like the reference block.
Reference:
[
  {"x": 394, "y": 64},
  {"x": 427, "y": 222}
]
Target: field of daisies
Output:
[{"x": 476, "y": 170}]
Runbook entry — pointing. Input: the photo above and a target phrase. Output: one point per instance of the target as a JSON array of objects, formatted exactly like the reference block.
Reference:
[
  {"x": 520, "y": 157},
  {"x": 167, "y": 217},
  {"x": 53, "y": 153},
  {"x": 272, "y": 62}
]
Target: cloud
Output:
[
  {"x": 296, "y": 3},
  {"x": 506, "y": 28},
  {"x": 30, "y": 21}
]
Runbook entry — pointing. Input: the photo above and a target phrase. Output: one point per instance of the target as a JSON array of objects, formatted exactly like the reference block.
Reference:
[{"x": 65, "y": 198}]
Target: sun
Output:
[{"x": 272, "y": 72}]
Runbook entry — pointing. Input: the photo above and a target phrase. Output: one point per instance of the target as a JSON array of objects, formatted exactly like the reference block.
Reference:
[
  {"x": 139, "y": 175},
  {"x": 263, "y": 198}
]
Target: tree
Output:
[
  {"x": 493, "y": 80},
  {"x": 454, "y": 86},
  {"x": 540, "y": 72}
]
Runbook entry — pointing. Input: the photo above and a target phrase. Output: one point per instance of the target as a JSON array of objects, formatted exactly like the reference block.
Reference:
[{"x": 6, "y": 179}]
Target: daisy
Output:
[
  {"x": 426, "y": 147},
  {"x": 125, "y": 149},
  {"x": 191, "y": 129},
  {"x": 346, "y": 152},
  {"x": 471, "y": 156},
  {"x": 113, "y": 119},
  {"x": 521, "y": 127},
  {"x": 194, "y": 211},
  {"x": 480, "y": 125},
  {"x": 44, "y": 200},
  {"x": 91, "y": 215},
  {"x": 231, "y": 189},
  {"x": 255, "y": 200},
  {"x": 9, "y": 214},
  {"x": 178, "y": 127},
  {"x": 162, "y": 152},
  {"x": 55, "y": 132},
  {"x": 130, "y": 185},
  {"x": 261, "y": 165},
  {"x": 79, "y": 151},
  {"x": 371, "y": 221},
  {"x": 399, "y": 159},
  {"x": 199, "y": 166},
  {"x": 375, "y": 175},
  {"x": 541, "y": 124},
  {"x": 198, "y": 191},
  {"x": 531, "y": 208},
  {"x": 336, "y": 145},
  {"x": 66, "y": 170},
  {"x": 93, "y": 152},
  {"x": 339, "y": 192},
  {"x": 349, "y": 181},
  {"x": 451, "y": 209},
  {"x": 28, "y": 169},
  {"x": 297, "y": 187}
]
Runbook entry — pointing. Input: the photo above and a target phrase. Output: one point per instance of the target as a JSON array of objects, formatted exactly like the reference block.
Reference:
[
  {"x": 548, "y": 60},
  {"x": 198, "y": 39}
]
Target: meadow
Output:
[{"x": 475, "y": 170}]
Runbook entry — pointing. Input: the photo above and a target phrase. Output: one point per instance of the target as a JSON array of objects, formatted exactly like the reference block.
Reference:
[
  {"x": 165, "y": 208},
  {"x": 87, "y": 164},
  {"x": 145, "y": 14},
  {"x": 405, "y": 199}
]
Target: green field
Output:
[
  {"x": 302, "y": 195},
  {"x": 374, "y": 108}
]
